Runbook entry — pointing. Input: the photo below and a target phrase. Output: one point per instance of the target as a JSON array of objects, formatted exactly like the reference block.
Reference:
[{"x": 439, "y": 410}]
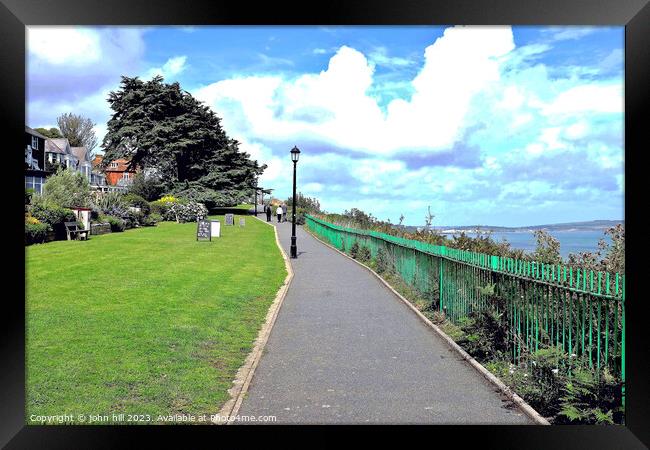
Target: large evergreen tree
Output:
[{"x": 160, "y": 126}]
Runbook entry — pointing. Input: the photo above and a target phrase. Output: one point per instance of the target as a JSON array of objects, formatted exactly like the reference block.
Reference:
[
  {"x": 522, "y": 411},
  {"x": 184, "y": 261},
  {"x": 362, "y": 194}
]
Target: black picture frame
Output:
[{"x": 633, "y": 14}]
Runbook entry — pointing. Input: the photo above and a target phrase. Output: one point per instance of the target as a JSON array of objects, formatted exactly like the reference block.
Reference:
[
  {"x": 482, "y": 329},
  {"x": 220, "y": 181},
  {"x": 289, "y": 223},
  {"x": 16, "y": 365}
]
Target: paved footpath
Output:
[{"x": 344, "y": 349}]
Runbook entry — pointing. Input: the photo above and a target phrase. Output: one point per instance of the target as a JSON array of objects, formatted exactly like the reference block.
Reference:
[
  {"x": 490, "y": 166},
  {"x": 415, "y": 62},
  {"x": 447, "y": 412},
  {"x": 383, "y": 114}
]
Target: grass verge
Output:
[{"x": 148, "y": 322}]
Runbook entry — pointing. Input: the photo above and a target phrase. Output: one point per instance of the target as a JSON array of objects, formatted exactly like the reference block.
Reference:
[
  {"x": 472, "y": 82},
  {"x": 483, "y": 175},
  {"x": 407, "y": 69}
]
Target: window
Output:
[
  {"x": 113, "y": 165},
  {"x": 126, "y": 175},
  {"x": 35, "y": 183},
  {"x": 35, "y": 142}
]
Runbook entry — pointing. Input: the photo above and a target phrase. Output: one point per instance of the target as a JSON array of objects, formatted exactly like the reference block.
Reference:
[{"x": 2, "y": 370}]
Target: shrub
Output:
[
  {"x": 364, "y": 253},
  {"x": 354, "y": 250},
  {"x": 163, "y": 207},
  {"x": 148, "y": 188},
  {"x": 384, "y": 261},
  {"x": 116, "y": 223},
  {"x": 588, "y": 400},
  {"x": 54, "y": 216},
  {"x": 29, "y": 193},
  {"x": 137, "y": 201},
  {"x": 36, "y": 233},
  {"x": 188, "y": 212},
  {"x": 31, "y": 219},
  {"x": 67, "y": 188},
  {"x": 151, "y": 220}
]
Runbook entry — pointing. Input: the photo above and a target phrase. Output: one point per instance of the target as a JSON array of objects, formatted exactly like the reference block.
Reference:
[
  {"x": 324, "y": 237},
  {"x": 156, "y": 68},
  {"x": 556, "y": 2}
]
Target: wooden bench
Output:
[{"x": 75, "y": 230}]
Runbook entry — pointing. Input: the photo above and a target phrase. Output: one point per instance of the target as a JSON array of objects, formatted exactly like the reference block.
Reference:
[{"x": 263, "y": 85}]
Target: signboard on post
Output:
[
  {"x": 203, "y": 230},
  {"x": 215, "y": 228},
  {"x": 242, "y": 222},
  {"x": 230, "y": 219}
]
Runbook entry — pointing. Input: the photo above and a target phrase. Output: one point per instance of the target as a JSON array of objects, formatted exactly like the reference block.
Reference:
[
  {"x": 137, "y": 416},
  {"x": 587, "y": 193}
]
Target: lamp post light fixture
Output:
[{"x": 295, "y": 154}]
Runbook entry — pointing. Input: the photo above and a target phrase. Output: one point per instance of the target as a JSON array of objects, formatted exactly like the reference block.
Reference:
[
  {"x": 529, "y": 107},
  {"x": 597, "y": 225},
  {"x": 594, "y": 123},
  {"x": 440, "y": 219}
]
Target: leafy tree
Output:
[
  {"x": 66, "y": 188},
  {"x": 78, "y": 130},
  {"x": 548, "y": 248},
  {"x": 159, "y": 125},
  {"x": 150, "y": 188},
  {"x": 303, "y": 202},
  {"x": 52, "y": 133}
]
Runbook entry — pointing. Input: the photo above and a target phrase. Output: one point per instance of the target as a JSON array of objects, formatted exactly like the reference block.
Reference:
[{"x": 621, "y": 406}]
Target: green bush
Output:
[
  {"x": 590, "y": 400},
  {"x": 151, "y": 220},
  {"x": 354, "y": 250},
  {"x": 137, "y": 201},
  {"x": 116, "y": 223},
  {"x": 55, "y": 216},
  {"x": 364, "y": 254},
  {"x": 67, "y": 188},
  {"x": 36, "y": 233},
  {"x": 384, "y": 261},
  {"x": 29, "y": 193}
]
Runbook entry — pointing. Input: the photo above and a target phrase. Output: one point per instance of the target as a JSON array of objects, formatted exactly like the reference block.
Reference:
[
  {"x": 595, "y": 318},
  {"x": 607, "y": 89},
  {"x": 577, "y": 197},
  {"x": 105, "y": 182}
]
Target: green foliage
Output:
[
  {"x": 78, "y": 130},
  {"x": 547, "y": 249},
  {"x": 354, "y": 250},
  {"x": 385, "y": 263},
  {"x": 52, "y": 133},
  {"x": 486, "y": 334},
  {"x": 149, "y": 188},
  {"x": 117, "y": 224},
  {"x": 364, "y": 254},
  {"x": 53, "y": 215},
  {"x": 588, "y": 399},
  {"x": 307, "y": 204},
  {"x": 67, "y": 188},
  {"x": 137, "y": 202},
  {"x": 186, "y": 144},
  {"x": 29, "y": 193},
  {"x": 36, "y": 233}
]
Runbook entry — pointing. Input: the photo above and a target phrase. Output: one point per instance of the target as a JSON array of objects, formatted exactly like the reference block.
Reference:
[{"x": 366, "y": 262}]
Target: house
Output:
[
  {"x": 44, "y": 156},
  {"x": 117, "y": 172},
  {"x": 35, "y": 172}
]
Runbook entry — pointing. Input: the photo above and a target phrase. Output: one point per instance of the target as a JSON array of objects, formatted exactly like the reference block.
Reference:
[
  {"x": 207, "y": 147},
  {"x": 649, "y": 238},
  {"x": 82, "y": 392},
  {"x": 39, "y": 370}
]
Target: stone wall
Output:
[{"x": 100, "y": 228}]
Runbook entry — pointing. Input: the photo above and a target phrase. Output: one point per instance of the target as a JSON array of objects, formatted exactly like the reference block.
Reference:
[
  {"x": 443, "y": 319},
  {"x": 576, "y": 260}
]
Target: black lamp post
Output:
[
  {"x": 295, "y": 153},
  {"x": 255, "y": 197}
]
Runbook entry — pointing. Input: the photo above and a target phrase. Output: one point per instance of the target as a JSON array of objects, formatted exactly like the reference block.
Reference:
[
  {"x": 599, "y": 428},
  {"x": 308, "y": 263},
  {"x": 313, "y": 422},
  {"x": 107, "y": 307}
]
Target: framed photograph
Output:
[{"x": 436, "y": 197}]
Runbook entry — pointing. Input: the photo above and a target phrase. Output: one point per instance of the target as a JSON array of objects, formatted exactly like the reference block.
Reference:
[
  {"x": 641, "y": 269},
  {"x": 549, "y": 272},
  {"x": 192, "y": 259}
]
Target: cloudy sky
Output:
[{"x": 487, "y": 125}]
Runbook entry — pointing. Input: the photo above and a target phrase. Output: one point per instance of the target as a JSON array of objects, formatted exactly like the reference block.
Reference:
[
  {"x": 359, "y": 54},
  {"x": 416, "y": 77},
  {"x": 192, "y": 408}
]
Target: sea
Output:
[{"x": 570, "y": 241}]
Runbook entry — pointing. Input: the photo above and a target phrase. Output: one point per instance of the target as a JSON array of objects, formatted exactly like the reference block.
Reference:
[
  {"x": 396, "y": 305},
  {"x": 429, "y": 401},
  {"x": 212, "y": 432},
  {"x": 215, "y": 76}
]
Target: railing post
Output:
[{"x": 440, "y": 289}]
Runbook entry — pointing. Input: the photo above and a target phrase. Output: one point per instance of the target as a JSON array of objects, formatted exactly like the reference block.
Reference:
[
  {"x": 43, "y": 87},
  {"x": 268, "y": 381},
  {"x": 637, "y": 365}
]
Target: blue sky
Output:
[{"x": 487, "y": 125}]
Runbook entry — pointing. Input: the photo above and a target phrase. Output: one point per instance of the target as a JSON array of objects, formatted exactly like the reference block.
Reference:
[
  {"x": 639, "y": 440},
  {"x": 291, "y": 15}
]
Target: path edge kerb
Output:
[
  {"x": 500, "y": 385},
  {"x": 246, "y": 371}
]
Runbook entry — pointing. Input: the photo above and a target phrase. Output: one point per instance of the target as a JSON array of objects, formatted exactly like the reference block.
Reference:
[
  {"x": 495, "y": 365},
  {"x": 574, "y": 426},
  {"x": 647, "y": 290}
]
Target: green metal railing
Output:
[{"x": 582, "y": 312}]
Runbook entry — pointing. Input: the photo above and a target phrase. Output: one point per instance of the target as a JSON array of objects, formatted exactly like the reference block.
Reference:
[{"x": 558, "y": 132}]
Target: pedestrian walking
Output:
[
  {"x": 286, "y": 212},
  {"x": 268, "y": 212},
  {"x": 279, "y": 212}
]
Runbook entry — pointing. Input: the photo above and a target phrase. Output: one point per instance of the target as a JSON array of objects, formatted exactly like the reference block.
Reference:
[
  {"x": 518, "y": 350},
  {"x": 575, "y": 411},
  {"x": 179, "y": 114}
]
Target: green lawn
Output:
[{"x": 148, "y": 321}]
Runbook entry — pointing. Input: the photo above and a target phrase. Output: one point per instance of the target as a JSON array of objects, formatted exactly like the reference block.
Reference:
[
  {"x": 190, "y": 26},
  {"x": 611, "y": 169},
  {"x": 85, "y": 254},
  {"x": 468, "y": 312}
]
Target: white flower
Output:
[
  {"x": 555, "y": 371},
  {"x": 573, "y": 355}
]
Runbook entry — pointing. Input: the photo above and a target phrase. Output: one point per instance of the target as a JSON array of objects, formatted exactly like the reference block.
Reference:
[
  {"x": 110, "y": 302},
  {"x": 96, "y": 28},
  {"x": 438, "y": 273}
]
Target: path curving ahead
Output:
[{"x": 345, "y": 349}]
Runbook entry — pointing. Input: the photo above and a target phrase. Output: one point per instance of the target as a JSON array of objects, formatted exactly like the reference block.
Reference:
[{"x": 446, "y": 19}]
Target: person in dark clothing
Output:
[{"x": 268, "y": 212}]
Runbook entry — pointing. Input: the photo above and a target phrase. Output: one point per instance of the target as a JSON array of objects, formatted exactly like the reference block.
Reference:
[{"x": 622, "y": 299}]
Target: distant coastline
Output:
[{"x": 593, "y": 225}]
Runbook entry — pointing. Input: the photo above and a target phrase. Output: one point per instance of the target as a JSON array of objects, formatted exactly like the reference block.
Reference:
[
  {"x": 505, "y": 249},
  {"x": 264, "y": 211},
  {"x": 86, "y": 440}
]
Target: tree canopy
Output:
[
  {"x": 52, "y": 133},
  {"x": 78, "y": 130},
  {"x": 159, "y": 126}
]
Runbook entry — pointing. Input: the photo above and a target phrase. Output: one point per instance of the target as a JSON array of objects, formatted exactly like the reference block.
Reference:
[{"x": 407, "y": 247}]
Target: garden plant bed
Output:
[{"x": 145, "y": 322}]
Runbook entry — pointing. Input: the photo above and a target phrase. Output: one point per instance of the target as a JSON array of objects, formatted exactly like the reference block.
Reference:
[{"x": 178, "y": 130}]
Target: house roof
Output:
[
  {"x": 122, "y": 164},
  {"x": 62, "y": 143},
  {"x": 51, "y": 147},
  {"x": 80, "y": 152},
  {"x": 34, "y": 132}
]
